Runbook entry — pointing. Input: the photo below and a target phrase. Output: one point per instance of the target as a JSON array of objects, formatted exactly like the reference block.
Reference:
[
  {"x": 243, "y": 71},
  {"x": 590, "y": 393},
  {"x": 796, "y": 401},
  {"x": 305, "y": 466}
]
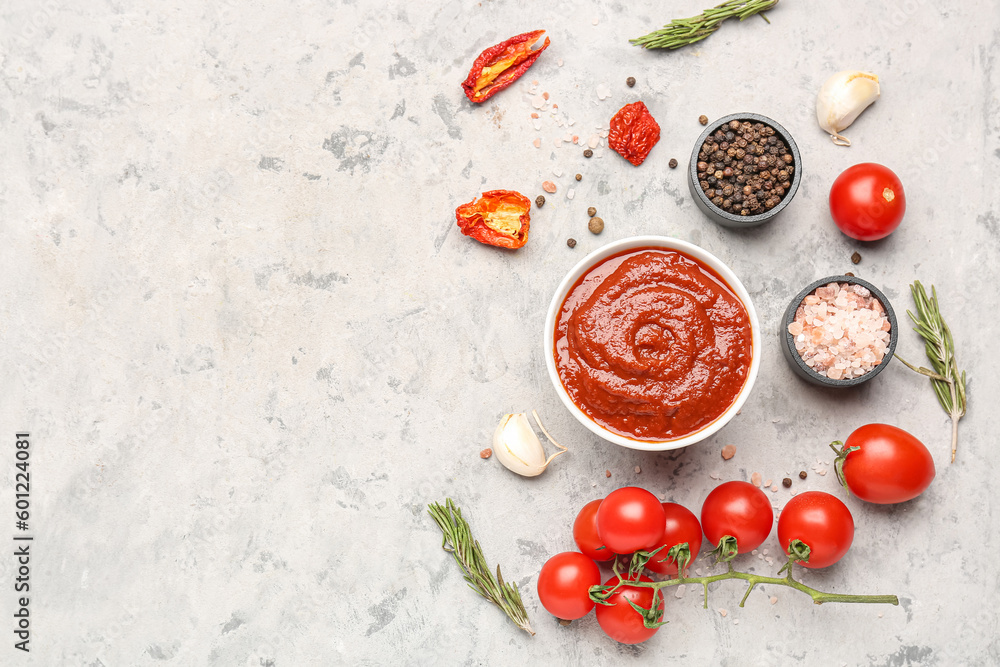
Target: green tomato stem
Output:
[{"x": 818, "y": 597}]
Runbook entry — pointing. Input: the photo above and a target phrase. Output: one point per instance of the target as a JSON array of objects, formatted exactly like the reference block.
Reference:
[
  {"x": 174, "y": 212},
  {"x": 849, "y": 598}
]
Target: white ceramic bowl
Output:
[{"x": 615, "y": 248}]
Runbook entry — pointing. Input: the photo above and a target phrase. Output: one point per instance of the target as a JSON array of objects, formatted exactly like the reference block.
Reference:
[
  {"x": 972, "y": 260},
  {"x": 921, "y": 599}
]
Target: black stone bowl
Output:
[
  {"x": 788, "y": 341},
  {"x": 724, "y": 217}
]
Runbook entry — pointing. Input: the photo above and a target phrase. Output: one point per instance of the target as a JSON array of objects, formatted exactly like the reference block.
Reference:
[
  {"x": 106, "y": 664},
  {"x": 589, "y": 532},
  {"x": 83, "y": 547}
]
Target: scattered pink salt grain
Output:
[
  {"x": 576, "y": 139},
  {"x": 840, "y": 331},
  {"x": 728, "y": 452},
  {"x": 534, "y": 114},
  {"x": 545, "y": 96},
  {"x": 537, "y": 143},
  {"x": 549, "y": 186},
  {"x": 755, "y": 478},
  {"x": 723, "y": 612},
  {"x": 774, "y": 599}
]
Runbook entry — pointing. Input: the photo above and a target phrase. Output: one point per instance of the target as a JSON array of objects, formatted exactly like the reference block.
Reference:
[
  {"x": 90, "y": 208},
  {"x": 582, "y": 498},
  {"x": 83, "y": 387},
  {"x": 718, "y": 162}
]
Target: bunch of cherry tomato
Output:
[{"x": 880, "y": 463}]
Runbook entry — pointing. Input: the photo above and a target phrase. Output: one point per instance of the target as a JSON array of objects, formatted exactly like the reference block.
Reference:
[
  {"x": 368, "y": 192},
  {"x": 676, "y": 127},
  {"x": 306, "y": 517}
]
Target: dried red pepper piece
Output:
[
  {"x": 633, "y": 132},
  {"x": 501, "y": 65},
  {"x": 500, "y": 218}
]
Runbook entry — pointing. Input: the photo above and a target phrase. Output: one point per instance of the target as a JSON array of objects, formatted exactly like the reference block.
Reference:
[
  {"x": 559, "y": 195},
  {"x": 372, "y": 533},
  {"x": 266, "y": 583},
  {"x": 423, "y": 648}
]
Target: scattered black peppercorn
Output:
[
  {"x": 672, "y": 164},
  {"x": 579, "y": 177},
  {"x": 803, "y": 475},
  {"x": 787, "y": 482},
  {"x": 539, "y": 201},
  {"x": 588, "y": 153},
  {"x": 571, "y": 243},
  {"x": 856, "y": 257},
  {"x": 748, "y": 160},
  {"x": 591, "y": 211},
  {"x": 630, "y": 81},
  {"x": 703, "y": 119}
]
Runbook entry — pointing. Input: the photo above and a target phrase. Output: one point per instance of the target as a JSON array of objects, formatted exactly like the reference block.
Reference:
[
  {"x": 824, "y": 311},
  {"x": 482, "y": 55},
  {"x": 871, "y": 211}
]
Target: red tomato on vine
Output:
[
  {"x": 630, "y": 519},
  {"x": 621, "y": 621},
  {"x": 585, "y": 533},
  {"x": 681, "y": 526},
  {"x": 739, "y": 510},
  {"x": 820, "y": 521},
  {"x": 564, "y": 585}
]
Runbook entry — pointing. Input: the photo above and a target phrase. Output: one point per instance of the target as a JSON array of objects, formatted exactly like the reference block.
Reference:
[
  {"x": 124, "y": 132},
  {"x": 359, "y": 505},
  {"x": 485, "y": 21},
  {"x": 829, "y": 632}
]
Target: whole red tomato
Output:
[
  {"x": 620, "y": 621},
  {"x": 822, "y": 522},
  {"x": 738, "y": 509},
  {"x": 630, "y": 519},
  {"x": 585, "y": 533},
  {"x": 889, "y": 466},
  {"x": 867, "y": 201},
  {"x": 564, "y": 585},
  {"x": 682, "y": 526}
]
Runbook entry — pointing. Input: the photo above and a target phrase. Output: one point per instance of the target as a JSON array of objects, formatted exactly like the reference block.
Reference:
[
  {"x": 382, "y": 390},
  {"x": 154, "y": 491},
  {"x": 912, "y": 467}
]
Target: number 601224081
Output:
[{"x": 22, "y": 487}]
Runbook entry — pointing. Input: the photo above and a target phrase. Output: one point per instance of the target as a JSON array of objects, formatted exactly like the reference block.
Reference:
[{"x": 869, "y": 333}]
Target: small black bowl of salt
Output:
[{"x": 839, "y": 332}]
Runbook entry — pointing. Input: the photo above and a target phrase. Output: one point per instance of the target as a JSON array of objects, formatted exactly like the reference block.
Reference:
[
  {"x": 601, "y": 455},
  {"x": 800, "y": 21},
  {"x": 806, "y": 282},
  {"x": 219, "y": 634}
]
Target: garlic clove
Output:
[
  {"x": 518, "y": 448},
  {"x": 842, "y": 99}
]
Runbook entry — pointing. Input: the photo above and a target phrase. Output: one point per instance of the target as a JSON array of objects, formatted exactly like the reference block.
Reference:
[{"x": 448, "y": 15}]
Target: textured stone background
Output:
[{"x": 251, "y": 345}]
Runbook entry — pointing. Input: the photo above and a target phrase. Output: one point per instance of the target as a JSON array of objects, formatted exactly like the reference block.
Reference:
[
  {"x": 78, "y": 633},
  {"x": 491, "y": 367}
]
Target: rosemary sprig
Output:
[
  {"x": 469, "y": 556},
  {"x": 682, "y": 32},
  {"x": 947, "y": 380}
]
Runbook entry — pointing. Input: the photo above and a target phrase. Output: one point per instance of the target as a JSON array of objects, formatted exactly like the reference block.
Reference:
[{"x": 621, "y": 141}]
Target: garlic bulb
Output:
[
  {"x": 842, "y": 99},
  {"x": 518, "y": 448}
]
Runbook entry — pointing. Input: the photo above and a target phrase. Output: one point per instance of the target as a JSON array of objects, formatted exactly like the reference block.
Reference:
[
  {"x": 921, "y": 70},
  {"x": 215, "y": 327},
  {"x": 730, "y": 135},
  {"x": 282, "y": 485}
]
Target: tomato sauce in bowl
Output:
[{"x": 652, "y": 344}]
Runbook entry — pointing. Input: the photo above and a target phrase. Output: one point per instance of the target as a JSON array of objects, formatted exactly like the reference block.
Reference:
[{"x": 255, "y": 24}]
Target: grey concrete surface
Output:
[{"x": 250, "y": 344}]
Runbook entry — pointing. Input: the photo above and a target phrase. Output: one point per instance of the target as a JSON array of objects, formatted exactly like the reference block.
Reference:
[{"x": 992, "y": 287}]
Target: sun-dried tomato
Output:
[
  {"x": 500, "y": 218},
  {"x": 501, "y": 65},
  {"x": 633, "y": 132}
]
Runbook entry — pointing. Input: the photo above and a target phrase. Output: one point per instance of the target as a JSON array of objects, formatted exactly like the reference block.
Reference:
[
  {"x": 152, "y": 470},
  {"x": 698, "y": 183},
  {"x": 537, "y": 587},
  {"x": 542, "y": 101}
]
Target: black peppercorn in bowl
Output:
[
  {"x": 839, "y": 332},
  {"x": 744, "y": 170}
]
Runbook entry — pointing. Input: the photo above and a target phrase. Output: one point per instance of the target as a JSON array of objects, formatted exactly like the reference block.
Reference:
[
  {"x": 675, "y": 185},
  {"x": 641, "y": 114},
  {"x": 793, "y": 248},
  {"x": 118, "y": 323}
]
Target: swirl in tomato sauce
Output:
[{"x": 652, "y": 344}]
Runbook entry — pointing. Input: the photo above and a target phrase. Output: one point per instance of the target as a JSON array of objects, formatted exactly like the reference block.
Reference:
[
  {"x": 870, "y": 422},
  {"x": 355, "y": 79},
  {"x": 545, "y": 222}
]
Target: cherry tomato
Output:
[
  {"x": 867, "y": 201},
  {"x": 621, "y": 622},
  {"x": 585, "y": 533},
  {"x": 564, "y": 585},
  {"x": 890, "y": 466},
  {"x": 822, "y": 522},
  {"x": 682, "y": 526},
  {"x": 630, "y": 519},
  {"x": 739, "y": 509}
]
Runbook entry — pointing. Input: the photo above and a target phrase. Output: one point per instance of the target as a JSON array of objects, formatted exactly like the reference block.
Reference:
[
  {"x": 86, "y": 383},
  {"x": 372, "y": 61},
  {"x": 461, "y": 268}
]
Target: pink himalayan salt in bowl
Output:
[{"x": 839, "y": 332}]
